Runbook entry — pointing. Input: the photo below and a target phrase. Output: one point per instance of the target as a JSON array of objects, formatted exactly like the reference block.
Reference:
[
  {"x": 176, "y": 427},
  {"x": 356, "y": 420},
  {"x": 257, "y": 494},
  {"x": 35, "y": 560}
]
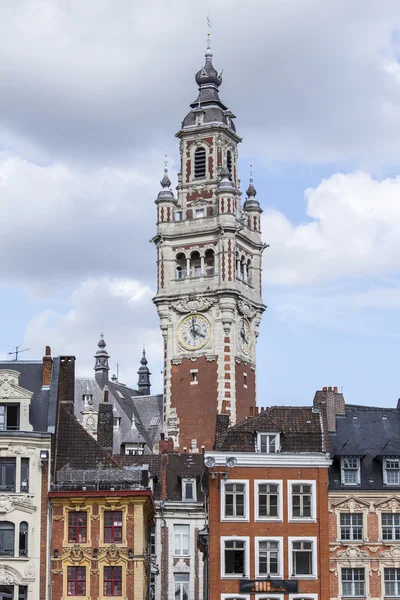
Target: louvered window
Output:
[{"x": 200, "y": 163}]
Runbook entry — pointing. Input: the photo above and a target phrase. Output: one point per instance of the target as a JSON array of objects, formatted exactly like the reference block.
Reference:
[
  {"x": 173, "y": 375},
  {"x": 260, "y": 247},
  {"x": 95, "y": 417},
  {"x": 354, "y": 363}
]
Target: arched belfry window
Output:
[
  {"x": 200, "y": 163},
  {"x": 229, "y": 161},
  {"x": 209, "y": 262},
  {"x": 195, "y": 264},
  {"x": 181, "y": 266}
]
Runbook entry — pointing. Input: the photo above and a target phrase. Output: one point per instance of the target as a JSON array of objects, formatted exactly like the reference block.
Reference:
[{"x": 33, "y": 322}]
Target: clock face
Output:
[
  {"x": 244, "y": 336},
  {"x": 194, "y": 332}
]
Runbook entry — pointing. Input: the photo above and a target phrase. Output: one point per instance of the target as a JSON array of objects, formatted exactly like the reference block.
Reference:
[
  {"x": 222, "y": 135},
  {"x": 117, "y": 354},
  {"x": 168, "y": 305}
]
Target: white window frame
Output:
[
  {"x": 180, "y": 582},
  {"x": 303, "y": 596},
  {"x": 391, "y": 541},
  {"x": 270, "y": 596},
  {"x": 277, "y": 482},
  {"x": 358, "y": 512},
  {"x": 269, "y": 434},
  {"x": 314, "y": 557},
  {"x": 313, "y": 517},
  {"x": 258, "y": 539},
  {"x": 191, "y": 480},
  {"x": 246, "y": 500},
  {"x": 194, "y": 376},
  {"x": 386, "y": 566},
  {"x": 357, "y": 565},
  {"x": 384, "y": 467},
  {"x": 232, "y": 538},
  {"x": 342, "y": 470},
  {"x": 181, "y": 535},
  {"x": 200, "y": 212},
  {"x": 235, "y": 597}
]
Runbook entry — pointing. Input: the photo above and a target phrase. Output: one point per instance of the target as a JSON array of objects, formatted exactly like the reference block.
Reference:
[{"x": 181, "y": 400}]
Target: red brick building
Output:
[{"x": 268, "y": 507}]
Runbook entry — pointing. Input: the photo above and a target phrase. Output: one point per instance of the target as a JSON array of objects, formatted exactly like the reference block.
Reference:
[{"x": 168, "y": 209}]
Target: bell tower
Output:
[{"x": 209, "y": 251}]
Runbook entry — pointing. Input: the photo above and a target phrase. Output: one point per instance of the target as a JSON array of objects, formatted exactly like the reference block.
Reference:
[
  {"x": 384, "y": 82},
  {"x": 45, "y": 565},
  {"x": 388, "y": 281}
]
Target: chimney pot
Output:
[
  {"x": 256, "y": 409},
  {"x": 329, "y": 388},
  {"x": 251, "y": 411},
  {"x": 335, "y": 389},
  {"x": 324, "y": 389},
  {"x": 48, "y": 351},
  {"x": 105, "y": 395}
]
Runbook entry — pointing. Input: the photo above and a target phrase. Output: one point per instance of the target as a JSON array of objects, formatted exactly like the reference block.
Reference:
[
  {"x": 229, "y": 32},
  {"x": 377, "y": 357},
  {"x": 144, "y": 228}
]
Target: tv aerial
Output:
[{"x": 17, "y": 350}]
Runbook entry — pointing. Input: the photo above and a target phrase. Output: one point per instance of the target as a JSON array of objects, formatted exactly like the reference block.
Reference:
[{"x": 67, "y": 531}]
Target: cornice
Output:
[{"x": 285, "y": 460}]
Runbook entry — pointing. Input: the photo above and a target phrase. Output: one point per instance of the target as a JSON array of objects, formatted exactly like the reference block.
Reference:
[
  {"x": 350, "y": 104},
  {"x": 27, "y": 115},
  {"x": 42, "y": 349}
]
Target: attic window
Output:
[
  {"x": 391, "y": 471},
  {"x": 189, "y": 489},
  {"x": 155, "y": 421},
  {"x": 268, "y": 443},
  {"x": 116, "y": 422},
  {"x": 134, "y": 449},
  {"x": 200, "y": 163},
  {"x": 350, "y": 470}
]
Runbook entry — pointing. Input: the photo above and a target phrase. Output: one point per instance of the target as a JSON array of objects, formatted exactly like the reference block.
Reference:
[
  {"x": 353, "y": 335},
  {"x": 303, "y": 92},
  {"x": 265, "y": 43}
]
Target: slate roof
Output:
[
  {"x": 370, "y": 433},
  {"x": 135, "y": 411},
  {"x": 44, "y": 400},
  {"x": 180, "y": 466},
  {"x": 303, "y": 430},
  {"x": 155, "y": 463}
]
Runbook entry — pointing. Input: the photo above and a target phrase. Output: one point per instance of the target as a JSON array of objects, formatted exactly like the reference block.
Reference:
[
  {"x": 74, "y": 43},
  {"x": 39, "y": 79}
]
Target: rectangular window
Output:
[
  {"x": 200, "y": 213},
  {"x": 234, "y": 500},
  {"x": 268, "y": 500},
  {"x": 113, "y": 526},
  {"x": 302, "y": 558},
  {"x": 350, "y": 470},
  {"x": 7, "y": 533},
  {"x": 24, "y": 474},
  {"x": 9, "y": 417},
  {"x": 7, "y": 474},
  {"x": 391, "y": 471},
  {"x": 194, "y": 373},
  {"x": 152, "y": 545},
  {"x": 113, "y": 581},
  {"x": 189, "y": 490},
  {"x": 392, "y": 582},
  {"x": 268, "y": 558},
  {"x": 22, "y": 592},
  {"x": 234, "y": 557},
  {"x": 181, "y": 586},
  {"x": 178, "y": 215},
  {"x": 116, "y": 422},
  {"x": 353, "y": 582},
  {"x": 77, "y": 527},
  {"x": 268, "y": 443},
  {"x": 351, "y": 526},
  {"x": 181, "y": 540},
  {"x": 301, "y": 501},
  {"x": 76, "y": 582},
  {"x": 391, "y": 526}
]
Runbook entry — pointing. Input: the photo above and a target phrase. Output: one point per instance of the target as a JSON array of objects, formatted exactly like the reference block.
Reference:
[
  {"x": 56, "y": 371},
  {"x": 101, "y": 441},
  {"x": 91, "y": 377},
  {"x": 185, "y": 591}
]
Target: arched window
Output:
[
  {"x": 229, "y": 161},
  {"x": 180, "y": 266},
  {"x": 7, "y": 531},
  {"x": 248, "y": 271},
  {"x": 200, "y": 163},
  {"x": 195, "y": 264},
  {"x": 23, "y": 539},
  {"x": 242, "y": 269},
  {"x": 209, "y": 262}
]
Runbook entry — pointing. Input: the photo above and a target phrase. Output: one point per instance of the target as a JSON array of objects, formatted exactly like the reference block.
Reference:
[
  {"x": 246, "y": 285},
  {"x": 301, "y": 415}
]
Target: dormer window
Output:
[
  {"x": 200, "y": 163},
  {"x": 391, "y": 471},
  {"x": 116, "y": 422},
  {"x": 9, "y": 417},
  {"x": 350, "y": 470},
  {"x": 268, "y": 443},
  {"x": 134, "y": 449},
  {"x": 189, "y": 489}
]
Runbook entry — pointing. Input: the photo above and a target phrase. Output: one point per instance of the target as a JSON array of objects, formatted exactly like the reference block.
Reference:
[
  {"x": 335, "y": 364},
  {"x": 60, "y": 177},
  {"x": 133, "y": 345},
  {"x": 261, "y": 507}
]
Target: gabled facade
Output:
[
  {"x": 267, "y": 486},
  {"x": 364, "y": 498}
]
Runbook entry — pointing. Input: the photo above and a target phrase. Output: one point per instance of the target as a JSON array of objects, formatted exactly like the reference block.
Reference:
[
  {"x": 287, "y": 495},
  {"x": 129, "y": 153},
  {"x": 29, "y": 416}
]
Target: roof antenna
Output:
[{"x": 17, "y": 350}]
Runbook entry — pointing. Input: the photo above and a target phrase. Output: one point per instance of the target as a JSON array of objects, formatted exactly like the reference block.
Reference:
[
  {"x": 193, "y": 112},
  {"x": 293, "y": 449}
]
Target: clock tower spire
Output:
[{"x": 209, "y": 251}]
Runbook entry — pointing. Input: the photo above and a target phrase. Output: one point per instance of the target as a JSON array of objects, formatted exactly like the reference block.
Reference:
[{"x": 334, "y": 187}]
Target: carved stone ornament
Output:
[
  {"x": 245, "y": 309},
  {"x": 353, "y": 554},
  {"x": 391, "y": 555},
  {"x": 9, "y": 503},
  {"x": 189, "y": 304}
]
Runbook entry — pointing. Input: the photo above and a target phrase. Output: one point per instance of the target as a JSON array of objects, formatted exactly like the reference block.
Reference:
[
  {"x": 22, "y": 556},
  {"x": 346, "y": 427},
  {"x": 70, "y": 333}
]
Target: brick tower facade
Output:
[{"x": 209, "y": 252}]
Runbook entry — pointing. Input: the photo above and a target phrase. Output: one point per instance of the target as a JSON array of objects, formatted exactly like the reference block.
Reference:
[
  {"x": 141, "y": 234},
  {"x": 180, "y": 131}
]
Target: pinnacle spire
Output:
[
  {"x": 251, "y": 190},
  {"x": 101, "y": 366},
  {"x": 144, "y": 376},
  {"x": 166, "y": 193}
]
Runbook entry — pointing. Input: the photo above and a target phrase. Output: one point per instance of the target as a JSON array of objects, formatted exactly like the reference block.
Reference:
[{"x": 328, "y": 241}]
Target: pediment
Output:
[
  {"x": 351, "y": 503},
  {"x": 390, "y": 503},
  {"x": 10, "y": 388}
]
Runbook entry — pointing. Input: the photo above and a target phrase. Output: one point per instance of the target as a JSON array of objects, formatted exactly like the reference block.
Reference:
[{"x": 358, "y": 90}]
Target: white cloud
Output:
[
  {"x": 354, "y": 231},
  {"x": 123, "y": 308}
]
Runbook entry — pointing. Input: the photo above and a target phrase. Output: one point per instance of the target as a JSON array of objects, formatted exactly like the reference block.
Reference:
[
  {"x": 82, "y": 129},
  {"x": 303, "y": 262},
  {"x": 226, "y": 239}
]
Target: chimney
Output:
[
  {"x": 105, "y": 425},
  {"x": 221, "y": 427},
  {"x": 66, "y": 382},
  {"x": 334, "y": 404},
  {"x": 256, "y": 409},
  {"x": 251, "y": 411},
  {"x": 47, "y": 367},
  {"x": 398, "y": 404},
  {"x": 165, "y": 446}
]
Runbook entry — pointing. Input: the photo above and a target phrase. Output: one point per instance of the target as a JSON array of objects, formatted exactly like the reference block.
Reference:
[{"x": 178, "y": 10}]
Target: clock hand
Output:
[{"x": 200, "y": 334}]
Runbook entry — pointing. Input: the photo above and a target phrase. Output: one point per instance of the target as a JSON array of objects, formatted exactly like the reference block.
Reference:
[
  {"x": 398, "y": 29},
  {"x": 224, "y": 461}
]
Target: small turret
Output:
[
  {"x": 166, "y": 201},
  {"x": 144, "y": 376},
  {"x": 101, "y": 366},
  {"x": 252, "y": 206}
]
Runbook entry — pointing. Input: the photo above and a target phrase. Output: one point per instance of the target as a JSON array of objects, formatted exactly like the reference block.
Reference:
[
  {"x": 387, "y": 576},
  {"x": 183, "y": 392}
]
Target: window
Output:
[
  {"x": 23, "y": 539},
  {"x": 77, "y": 527},
  {"x": 134, "y": 449},
  {"x": 76, "y": 581},
  {"x": 350, "y": 470},
  {"x": 268, "y": 443},
  {"x": 181, "y": 586},
  {"x": 189, "y": 490},
  {"x": 392, "y": 582},
  {"x": 195, "y": 264},
  {"x": 200, "y": 163},
  {"x": 245, "y": 380},
  {"x": 391, "y": 526},
  {"x": 391, "y": 471},
  {"x": 209, "y": 262},
  {"x": 351, "y": 526},
  {"x": 24, "y": 474},
  {"x": 22, "y": 592},
  {"x": 303, "y": 557},
  {"x": 353, "y": 582},
  {"x": 234, "y": 498},
  {"x": 9, "y": 417},
  {"x": 194, "y": 380},
  {"x": 7, "y": 530},
  {"x": 181, "y": 540},
  {"x": 155, "y": 421},
  {"x": 180, "y": 266},
  {"x": 268, "y": 557},
  {"x": 7, "y": 592},
  {"x": 113, "y": 581},
  {"x": 302, "y": 500},
  {"x": 113, "y": 526},
  {"x": 152, "y": 541},
  {"x": 200, "y": 213},
  {"x": 234, "y": 555},
  {"x": 268, "y": 500},
  {"x": 7, "y": 474},
  {"x": 116, "y": 422},
  {"x": 152, "y": 586},
  {"x": 229, "y": 161},
  {"x": 178, "y": 215}
]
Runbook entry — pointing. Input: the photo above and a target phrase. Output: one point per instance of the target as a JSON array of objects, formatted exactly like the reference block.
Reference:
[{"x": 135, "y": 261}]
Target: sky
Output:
[{"x": 92, "y": 94}]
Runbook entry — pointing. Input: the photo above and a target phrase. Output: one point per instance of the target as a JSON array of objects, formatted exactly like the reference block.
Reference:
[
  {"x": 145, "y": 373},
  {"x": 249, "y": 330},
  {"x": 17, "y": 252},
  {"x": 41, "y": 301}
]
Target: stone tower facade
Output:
[{"x": 209, "y": 251}]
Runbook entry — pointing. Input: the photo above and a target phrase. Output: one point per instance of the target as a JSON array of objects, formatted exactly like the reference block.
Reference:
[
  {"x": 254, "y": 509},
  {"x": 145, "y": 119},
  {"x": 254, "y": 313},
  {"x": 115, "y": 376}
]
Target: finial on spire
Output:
[
  {"x": 165, "y": 181},
  {"x": 208, "y": 50},
  {"x": 251, "y": 190}
]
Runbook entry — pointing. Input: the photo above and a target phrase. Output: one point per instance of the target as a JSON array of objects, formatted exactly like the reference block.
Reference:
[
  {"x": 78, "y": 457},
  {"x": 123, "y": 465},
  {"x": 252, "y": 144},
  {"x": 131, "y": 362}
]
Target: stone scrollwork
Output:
[
  {"x": 353, "y": 554},
  {"x": 245, "y": 309},
  {"x": 9, "y": 503},
  {"x": 189, "y": 304},
  {"x": 392, "y": 555}
]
